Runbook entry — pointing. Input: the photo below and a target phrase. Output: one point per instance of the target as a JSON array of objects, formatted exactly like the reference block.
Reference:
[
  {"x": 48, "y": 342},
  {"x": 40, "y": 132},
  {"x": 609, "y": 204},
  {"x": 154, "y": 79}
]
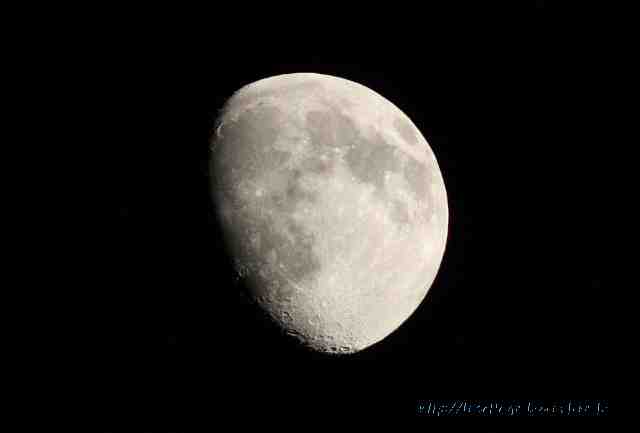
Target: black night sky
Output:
[{"x": 518, "y": 308}]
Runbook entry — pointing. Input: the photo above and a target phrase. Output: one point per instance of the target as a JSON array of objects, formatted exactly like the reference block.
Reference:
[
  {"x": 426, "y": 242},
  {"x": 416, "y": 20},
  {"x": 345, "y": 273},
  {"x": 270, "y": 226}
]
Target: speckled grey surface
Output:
[{"x": 333, "y": 206}]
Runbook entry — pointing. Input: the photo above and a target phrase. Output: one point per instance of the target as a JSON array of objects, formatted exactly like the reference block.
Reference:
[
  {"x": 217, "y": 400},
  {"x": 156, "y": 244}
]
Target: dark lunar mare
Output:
[{"x": 369, "y": 158}]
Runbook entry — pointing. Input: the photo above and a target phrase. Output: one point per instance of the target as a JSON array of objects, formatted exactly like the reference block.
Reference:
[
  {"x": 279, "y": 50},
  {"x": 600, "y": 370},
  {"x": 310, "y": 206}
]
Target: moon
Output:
[{"x": 332, "y": 205}]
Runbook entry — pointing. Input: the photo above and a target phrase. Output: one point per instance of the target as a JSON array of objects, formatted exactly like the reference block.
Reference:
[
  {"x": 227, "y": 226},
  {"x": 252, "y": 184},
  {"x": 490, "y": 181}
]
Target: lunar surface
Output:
[{"x": 332, "y": 205}]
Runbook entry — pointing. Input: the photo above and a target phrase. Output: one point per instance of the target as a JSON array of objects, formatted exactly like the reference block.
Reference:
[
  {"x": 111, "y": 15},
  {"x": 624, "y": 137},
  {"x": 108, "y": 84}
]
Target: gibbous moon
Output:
[{"x": 332, "y": 206}]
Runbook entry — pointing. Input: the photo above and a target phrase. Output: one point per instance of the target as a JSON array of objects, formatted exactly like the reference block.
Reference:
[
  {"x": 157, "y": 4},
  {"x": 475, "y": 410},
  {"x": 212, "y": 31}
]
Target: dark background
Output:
[{"x": 518, "y": 308}]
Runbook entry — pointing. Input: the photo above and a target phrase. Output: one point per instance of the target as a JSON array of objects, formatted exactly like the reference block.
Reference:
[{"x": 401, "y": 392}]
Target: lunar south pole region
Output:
[{"x": 332, "y": 206}]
